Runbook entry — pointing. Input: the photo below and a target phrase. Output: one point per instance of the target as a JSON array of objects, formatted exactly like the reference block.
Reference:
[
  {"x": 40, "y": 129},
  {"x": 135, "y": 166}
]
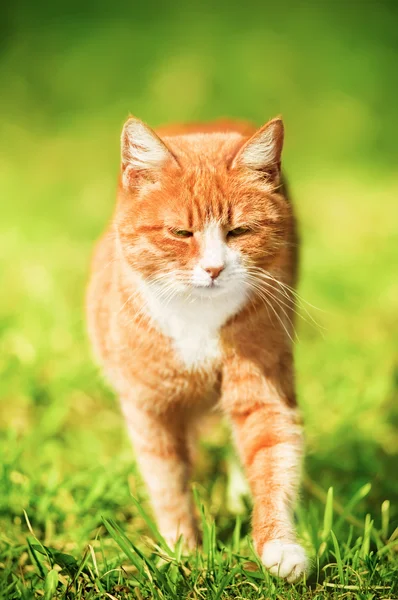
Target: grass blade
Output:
[
  {"x": 385, "y": 518},
  {"x": 152, "y": 526},
  {"x": 50, "y": 584},
  {"x": 339, "y": 561},
  {"x": 35, "y": 559},
  {"x": 236, "y": 534},
  {"x": 366, "y": 536},
  {"x": 123, "y": 542},
  {"x": 328, "y": 515},
  {"x": 225, "y": 581},
  {"x": 357, "y": 497}
]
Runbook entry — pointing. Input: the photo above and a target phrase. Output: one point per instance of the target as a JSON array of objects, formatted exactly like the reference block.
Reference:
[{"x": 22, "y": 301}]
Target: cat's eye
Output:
[
  {"x": 238, "y": 231},
  {"x": 182, "y": 233}
]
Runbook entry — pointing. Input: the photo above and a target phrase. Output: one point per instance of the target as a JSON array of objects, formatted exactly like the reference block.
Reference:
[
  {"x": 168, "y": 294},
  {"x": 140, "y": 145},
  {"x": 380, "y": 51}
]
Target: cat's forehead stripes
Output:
[
  {"x": 204, "y": 159},
  {"x": 205, "y": 199}
]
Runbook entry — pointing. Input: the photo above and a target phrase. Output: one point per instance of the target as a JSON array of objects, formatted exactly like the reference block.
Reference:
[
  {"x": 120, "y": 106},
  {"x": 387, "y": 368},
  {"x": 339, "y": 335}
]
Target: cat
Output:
[{"x": 190, "y": 307}]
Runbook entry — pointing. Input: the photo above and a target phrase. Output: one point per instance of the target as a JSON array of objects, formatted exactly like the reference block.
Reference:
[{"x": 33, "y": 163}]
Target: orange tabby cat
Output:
[{"x": 190, "y": 307}]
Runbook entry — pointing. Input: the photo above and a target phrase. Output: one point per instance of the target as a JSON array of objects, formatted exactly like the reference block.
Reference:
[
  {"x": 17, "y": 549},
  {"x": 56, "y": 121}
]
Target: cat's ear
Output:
[
  {"x": 143, "y": 152},
  {"x": 262, "y": 152}
]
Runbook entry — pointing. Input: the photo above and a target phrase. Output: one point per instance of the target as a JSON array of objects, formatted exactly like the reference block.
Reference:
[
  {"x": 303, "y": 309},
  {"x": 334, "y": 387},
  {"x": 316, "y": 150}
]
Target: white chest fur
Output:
[{"x": 194, "y": 325}]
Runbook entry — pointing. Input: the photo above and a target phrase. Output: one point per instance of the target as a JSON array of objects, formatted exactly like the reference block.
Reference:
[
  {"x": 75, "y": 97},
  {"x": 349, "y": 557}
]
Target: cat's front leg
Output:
[
  {"x": 268, "y": 435},
  {"x": 163, "y": 458}
]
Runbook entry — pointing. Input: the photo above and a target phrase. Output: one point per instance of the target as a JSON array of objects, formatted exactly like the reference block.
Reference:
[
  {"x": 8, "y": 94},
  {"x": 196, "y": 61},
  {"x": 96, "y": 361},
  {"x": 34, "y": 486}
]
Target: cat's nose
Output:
[{"x": 214, "y": 271}]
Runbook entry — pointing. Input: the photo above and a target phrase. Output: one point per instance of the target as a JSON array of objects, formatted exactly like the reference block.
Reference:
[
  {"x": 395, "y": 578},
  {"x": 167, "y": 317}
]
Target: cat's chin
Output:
[{"x": 209, "y": 291}]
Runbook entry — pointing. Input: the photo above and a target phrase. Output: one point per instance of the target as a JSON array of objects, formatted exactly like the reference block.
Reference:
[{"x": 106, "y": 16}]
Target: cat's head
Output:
[{"x": 198, "y": 214}]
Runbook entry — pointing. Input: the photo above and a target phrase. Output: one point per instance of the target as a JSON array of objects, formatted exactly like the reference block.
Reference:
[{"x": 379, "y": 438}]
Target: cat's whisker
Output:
[
  {"x": 141, "y": 314},
  {"x": 268, "y": 275},
  {"x": 106, "y": 265},
  {"x": 301, "y": 305},
  {"x": 141, "y": 311},
  {"x": 290, "y": 289},
  {"x": 164, "y": 293},
  {"x": 286, "y": 290},
  {"x": 167, "y": 293},
  {"x": 129, "y": 299},
  {"x": 291, "y": 306},
  {"x": 267, "y": 301},
  {"x": 269, "y": 291},
  {"x": 254, "y": 297},
  {"x": 261, "y": 272},
  {"x": 269, "y": 295},
  {"x": 266, "y": 281}
]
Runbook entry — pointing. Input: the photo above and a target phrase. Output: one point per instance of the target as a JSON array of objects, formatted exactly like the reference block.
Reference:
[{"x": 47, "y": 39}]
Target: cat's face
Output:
[{"x": 201, "y": 215}]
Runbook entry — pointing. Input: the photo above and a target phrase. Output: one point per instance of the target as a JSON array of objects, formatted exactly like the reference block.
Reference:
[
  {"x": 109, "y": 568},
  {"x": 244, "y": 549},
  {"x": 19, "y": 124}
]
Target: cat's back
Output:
[
  {"x": 244, "y": 128},
  {"x": 207, "y": 146}
]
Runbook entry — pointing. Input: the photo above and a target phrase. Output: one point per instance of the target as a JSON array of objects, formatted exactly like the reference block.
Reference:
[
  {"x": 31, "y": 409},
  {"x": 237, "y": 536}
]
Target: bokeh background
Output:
[{"x": 71, "y": 72}]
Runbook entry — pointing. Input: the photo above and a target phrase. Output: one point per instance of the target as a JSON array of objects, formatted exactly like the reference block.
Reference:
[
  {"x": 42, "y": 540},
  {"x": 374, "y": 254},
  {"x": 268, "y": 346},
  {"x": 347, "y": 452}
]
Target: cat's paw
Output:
[{"x": 285, "y": 559}]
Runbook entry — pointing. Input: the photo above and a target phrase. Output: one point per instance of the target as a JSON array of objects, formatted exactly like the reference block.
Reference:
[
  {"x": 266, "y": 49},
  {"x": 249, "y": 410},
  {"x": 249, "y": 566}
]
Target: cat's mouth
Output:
[
  {"x": 211, "y": 285},
  {"x": 209, "y": 290}
]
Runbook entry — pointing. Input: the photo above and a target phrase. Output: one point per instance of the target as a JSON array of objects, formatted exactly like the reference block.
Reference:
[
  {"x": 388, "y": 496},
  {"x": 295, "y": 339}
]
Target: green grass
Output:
[
  {"x": 350, "y": 559},
  {"x": 74, "y": 516}
]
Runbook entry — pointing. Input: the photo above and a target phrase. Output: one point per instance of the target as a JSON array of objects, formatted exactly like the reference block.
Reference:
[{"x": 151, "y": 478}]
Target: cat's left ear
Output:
[{"x": 262, "y": 152}]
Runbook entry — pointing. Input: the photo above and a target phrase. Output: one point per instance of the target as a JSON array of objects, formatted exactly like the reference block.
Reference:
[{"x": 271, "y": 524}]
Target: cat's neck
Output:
[{"x": 192, "y": 323}]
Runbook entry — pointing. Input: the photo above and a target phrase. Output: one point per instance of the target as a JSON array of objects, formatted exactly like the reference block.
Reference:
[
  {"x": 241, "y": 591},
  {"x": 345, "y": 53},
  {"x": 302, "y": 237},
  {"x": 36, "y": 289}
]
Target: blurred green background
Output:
[{"x": 70, "y": 74}]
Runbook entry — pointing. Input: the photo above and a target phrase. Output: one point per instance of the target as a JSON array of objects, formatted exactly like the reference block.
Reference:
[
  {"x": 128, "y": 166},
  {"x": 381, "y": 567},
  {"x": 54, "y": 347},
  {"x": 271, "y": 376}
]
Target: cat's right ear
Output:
[
  {"x": 143, "y": 152},
  {"x": 262, "y": 152}
]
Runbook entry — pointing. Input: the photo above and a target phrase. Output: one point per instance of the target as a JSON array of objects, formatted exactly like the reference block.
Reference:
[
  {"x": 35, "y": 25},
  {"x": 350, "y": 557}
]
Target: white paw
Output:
[{"x": 285, "y": 559}]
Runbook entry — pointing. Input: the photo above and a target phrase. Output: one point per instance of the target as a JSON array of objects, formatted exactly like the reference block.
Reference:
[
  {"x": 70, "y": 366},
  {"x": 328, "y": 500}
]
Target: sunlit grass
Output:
[{"x": 348, "y": 557}]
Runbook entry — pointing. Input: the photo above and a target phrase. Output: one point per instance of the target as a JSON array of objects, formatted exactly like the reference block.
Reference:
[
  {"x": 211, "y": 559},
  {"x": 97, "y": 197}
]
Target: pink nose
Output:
[{"x": 214, "y": 271}]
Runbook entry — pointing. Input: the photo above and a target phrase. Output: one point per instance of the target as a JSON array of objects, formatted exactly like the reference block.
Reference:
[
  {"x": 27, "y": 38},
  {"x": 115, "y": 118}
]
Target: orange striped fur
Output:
[{"x": 190, "y": 308}]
